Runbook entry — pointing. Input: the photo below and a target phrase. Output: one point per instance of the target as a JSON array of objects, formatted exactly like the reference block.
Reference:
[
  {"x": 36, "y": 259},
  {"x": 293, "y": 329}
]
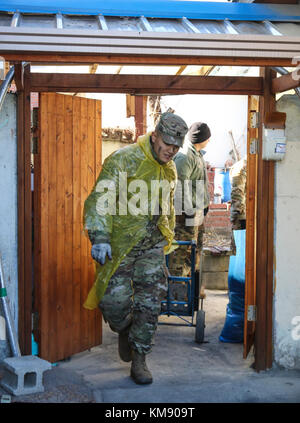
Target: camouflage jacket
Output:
[
  {"x": 238, "y": 179},
  {"x": 192, "y": 167}
]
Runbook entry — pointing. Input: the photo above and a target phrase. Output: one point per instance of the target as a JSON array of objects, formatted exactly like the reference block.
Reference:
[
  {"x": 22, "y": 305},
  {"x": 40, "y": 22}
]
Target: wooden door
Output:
[
  {"x": 250, "y": 271},
  {"x": 66, "y": 165}
]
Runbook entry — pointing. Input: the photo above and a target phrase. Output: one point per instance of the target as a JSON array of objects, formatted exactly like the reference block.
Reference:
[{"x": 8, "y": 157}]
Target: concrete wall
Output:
[
  {"x": 287, "y": 244},
  {"x": 8, "y": 213}
]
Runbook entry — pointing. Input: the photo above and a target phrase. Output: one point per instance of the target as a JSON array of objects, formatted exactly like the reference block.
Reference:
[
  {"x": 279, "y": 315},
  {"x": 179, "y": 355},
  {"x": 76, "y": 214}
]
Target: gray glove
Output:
[{"x": 99, "y": 252}]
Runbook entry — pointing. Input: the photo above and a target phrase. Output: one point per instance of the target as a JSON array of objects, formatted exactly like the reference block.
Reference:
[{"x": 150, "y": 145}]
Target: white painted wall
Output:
[
  {"x": 8, "y": 209},
  {"x": 287, "y": 242}
]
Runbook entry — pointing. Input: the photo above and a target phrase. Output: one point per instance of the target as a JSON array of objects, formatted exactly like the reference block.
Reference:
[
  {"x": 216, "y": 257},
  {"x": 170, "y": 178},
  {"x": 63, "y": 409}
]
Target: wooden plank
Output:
[
  {"x": 285, "y": 83},
  {"x": 250, "y": 275},
  {"x": 52, "y": 228},
  {"x": 98, "y": 165},
  {"x": 76, "y": 225},
  {"x": 43, "y": 162},
  {"x": 139, "y": 59},
  {"x": 84, "y": 320},
  {"x": 68, "y": 217},
  {"x": 61, "y": 287},
  {"x": 98, "y": 142},
  {"x": 270, "y": 266},
  {"x": 90, "y": 172},
  {"x": 37, "y": 231},
  {"x": 147, "y": 84},
  {"x": 27, "y": 215}
]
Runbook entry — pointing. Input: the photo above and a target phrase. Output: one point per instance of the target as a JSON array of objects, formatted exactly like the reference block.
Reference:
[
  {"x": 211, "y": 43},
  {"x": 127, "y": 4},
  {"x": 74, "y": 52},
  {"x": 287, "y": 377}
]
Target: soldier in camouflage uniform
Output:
[
  {"x": 238, "y": 179},
  {"x": 189, "y": 225},
  {"x": 132, "y": 288}
]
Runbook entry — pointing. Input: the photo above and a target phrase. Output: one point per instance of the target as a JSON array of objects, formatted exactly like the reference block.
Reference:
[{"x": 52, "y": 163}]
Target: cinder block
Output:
[
  {"x": 215, "y": 263},
  {"x": 215, "y": 280},
  {"x": 24, "y": 375}
]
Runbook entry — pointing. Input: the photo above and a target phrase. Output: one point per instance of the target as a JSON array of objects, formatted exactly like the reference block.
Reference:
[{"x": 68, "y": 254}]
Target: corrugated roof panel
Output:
[
  {"x": 138, "y": 35},
  {"x": 123, "y": 24},
  {"x": 37, "y": 21},
  {"x": 183, "y": 25},
  {"x": 289, "y": 29},
  {"x": 251, "y": 28},
  {"x": 80, "y": 22},
  {"x": 210, "y": 27},
  {"x": 167, "y": 25}
]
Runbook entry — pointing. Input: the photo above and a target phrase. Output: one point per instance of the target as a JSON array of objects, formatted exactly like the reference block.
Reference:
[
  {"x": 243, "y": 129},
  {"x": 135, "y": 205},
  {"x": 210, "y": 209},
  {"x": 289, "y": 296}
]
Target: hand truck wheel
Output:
[{"x": 200, "y": 325}]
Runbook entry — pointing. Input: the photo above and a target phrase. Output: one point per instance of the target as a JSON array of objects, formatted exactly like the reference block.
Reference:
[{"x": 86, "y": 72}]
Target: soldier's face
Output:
[{"x": 165, "y": 152}]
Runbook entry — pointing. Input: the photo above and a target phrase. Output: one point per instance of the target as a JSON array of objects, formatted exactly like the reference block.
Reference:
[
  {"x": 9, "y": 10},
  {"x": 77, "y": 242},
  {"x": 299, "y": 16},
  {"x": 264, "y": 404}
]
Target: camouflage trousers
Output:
[
  {"x": 180, "y": 259},
  {"x": 134, "y": 293}
]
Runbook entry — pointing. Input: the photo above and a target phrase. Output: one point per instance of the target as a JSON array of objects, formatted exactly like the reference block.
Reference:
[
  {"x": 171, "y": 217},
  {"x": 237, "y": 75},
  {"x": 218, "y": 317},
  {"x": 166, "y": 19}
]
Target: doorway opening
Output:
[{"x": 51, "y": 305}]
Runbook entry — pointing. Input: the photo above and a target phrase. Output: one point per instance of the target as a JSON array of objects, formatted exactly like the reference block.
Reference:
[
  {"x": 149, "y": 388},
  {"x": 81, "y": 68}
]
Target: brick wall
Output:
[
  {"x": 218, "y": 216},
  {"x": 34, "y": 100}
]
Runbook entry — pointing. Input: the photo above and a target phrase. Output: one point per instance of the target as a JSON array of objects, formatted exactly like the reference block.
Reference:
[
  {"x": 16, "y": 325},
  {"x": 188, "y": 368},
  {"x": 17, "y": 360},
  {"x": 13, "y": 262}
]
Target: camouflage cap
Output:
[{"x": 172, "y": 128}]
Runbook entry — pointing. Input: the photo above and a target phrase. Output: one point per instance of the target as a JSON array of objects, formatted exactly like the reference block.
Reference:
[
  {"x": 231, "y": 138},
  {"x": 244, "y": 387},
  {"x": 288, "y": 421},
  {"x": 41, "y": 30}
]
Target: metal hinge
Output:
[
  {"x": 254, "y": 119},
  {"x": 253, "y": 146},
  {"x": 251, "y": 313}
]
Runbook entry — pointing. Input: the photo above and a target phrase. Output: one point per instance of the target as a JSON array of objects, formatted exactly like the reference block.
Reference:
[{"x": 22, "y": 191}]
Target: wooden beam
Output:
[
  {"x": 140, "y": 115},
  {"x": 285, "y": 83},
  {"x": 109, "y": 59},
  {"x": 146, "y": 84},
  {"x": 93, "y": 68},
  {"x": 180, "y": 70},
  {"x": 203, "y": 71},
  {"x": 19, "y": 77},
  {"x": 250, "y": 269},
  {"x": 130, "y": 105},
  {"x": 264, "y": 240},
  {"x": 24, "y": 217}
]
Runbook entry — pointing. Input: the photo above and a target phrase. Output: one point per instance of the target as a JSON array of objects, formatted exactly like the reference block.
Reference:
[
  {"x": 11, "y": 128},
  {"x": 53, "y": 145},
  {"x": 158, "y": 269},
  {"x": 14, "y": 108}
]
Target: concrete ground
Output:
[{"x": 183, "y": 371}]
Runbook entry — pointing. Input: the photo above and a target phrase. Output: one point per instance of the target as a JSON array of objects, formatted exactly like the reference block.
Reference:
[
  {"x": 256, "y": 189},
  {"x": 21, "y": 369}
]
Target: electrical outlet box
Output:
[
  {"x": 274, "y": 144},
  {"x": 274, "y": 139}
]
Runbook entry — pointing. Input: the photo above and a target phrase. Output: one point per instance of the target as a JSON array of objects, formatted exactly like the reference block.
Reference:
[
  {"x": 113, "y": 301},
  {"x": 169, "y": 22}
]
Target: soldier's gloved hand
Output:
[{"x": 99, "y": 252}]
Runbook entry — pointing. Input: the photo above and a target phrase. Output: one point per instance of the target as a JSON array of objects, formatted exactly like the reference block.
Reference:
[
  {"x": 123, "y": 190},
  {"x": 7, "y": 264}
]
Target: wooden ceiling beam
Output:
[
  {"x": 146, "y": 84},
  {"x": 72, "y": 59},
  {"x": 285, "y": 82}
]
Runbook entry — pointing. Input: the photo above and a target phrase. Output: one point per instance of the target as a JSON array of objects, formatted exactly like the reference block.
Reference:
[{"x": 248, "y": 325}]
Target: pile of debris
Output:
[
  {"x": 218, "y": 242},
  {"x": 118, "y": 134}
]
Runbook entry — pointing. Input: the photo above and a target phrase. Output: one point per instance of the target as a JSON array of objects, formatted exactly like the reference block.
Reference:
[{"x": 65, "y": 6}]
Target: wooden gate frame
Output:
[{"x": 264, "y": 223}]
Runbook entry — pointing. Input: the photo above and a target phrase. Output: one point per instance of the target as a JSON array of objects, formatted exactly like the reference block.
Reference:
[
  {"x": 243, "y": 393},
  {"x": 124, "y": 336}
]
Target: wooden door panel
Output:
[{"x": 66, "y": 167}]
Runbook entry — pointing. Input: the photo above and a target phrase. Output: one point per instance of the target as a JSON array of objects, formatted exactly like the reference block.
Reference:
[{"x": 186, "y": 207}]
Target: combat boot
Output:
[
  {"x": 139, "y": 371},
  {"x": 125, "y": 351}
]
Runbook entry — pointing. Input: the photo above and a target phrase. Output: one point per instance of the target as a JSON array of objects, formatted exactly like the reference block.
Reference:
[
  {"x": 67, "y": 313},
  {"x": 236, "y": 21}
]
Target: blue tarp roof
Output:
[{"x": 158, "y": 9}]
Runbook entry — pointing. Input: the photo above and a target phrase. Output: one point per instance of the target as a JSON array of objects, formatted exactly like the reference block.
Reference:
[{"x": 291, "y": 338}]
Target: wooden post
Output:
[
  {"x": 140, "y": 115},
  {"x": 265, "y": 240},
  {"x": 24, "y": 215},
  {"x": 250, "y": 275}
]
